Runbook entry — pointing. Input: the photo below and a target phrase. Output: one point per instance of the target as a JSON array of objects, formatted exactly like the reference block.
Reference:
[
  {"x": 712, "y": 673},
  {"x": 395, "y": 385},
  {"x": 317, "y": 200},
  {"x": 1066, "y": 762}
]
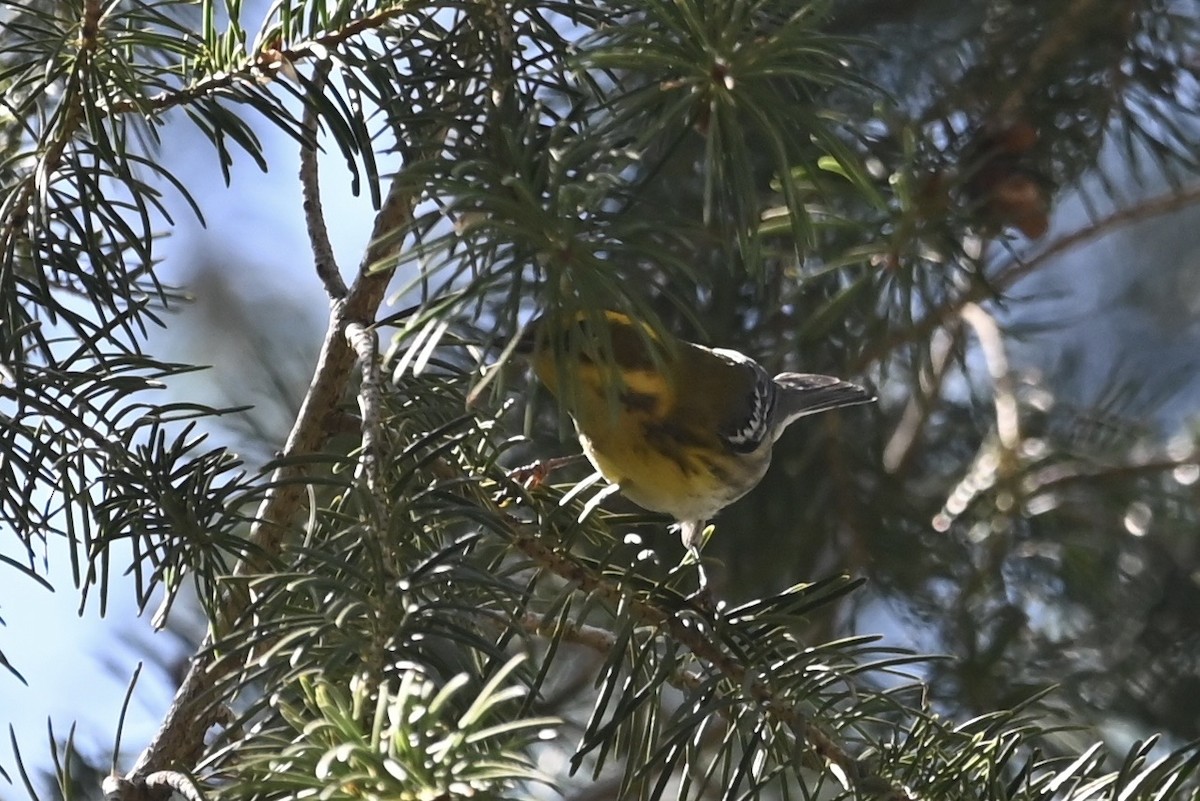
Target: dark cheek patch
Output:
[{"x": 751, "y": 431}]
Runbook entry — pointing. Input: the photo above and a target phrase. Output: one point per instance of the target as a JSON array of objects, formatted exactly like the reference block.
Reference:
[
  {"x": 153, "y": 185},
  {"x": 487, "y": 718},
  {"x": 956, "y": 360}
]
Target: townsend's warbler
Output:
[{"x": 676, "y": 427}]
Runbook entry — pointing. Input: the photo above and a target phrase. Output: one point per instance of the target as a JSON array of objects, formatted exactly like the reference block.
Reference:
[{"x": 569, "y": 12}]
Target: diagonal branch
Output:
[
  {"x": 825, "y": 745},
  {"x": 180, "y": 739},
  {"x": 334, "y": 366},
  {"x": 251, "y": 69},
  {"x": 365, "y": 342}
]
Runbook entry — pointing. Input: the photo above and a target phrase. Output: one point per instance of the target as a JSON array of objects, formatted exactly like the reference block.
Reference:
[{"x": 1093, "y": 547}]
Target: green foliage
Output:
[
  {"x": 392, "y": 613},
  {"x": 411, "y": 740}
]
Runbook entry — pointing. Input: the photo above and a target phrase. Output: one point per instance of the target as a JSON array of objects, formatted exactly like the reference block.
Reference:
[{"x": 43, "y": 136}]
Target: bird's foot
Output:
[
  {"x": 702, "y": 598},
  {"x": 704, "y": 601}
]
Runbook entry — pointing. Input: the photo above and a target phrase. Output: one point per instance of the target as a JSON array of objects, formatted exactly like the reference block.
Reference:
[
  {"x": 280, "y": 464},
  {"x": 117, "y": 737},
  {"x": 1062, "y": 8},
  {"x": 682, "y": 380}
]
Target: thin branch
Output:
[
  {"x": 1016, "y": 269},
  {"x": 1048, "y": 478},
  {"x": 250, "y": 71},
  {"x": 169, "y": 781},
  {"x": 600, "y": 640},
  {"x": 1154, "y": 207},
  {"x": 310, "y": 183},
  {"x": 159, "y": 784},
  {"x": 334, "y": 364}
]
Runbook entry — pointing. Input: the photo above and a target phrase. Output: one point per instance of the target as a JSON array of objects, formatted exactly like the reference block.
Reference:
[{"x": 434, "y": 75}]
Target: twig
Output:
[
  {"x": 600, "y": 640},
  {"x": 310, "y": 183},
  {"x": 595, "y": 638},
  {"x": 1015, "y": 270},
  {"x": 317, "y": 47},
  {"x": 159, "y": 784},
  {"x": 991, "y": 343},
  {"x": 1164, "y": 204}
]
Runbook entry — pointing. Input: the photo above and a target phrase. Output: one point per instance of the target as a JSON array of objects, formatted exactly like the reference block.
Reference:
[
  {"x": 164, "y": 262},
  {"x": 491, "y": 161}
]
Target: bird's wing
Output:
[{"x": 744, "y": 430}]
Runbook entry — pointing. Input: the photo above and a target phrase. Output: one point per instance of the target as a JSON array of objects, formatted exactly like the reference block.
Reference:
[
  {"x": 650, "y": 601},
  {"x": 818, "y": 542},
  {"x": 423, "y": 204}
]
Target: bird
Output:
[{"x": 674, "y": 426}]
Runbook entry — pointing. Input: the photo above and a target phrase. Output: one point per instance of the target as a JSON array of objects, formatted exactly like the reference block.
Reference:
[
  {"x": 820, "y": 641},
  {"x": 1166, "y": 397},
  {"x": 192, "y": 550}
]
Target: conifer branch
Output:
[
  {"x": 1007, "y": 275},
  {"x": 36, "y": 180},
  {"x": 365, "y": 343},
  {"x": 180, "y": 738},
  {"x": 690, "y": 636},
  {"x": 251, "y": 69}
]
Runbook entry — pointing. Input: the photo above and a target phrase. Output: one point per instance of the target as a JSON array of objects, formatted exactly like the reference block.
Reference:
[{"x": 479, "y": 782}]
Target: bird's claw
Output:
[
  {"x": 703, "y": 601},
  {"x": 702, "y": 597},
  {"x": 530, "y": 476}
]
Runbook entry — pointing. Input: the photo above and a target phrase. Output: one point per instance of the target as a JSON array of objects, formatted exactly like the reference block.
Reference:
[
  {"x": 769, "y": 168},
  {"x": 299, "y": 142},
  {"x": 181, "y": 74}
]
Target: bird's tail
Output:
[{"x": 803, "y": 394}]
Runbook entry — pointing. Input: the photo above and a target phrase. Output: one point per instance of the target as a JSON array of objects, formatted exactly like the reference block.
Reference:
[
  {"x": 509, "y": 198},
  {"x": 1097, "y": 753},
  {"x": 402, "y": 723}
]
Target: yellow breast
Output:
[
  {"x": 687, "y": 486},
  {"x": 661, "y": 462}
]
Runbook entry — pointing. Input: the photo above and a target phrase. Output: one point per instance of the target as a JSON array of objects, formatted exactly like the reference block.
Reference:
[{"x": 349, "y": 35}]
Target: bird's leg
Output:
[
  {"x": 691, "y": 533},
  {"x": 701, "y": 576},
  {"x": 534, "y": 474}
]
